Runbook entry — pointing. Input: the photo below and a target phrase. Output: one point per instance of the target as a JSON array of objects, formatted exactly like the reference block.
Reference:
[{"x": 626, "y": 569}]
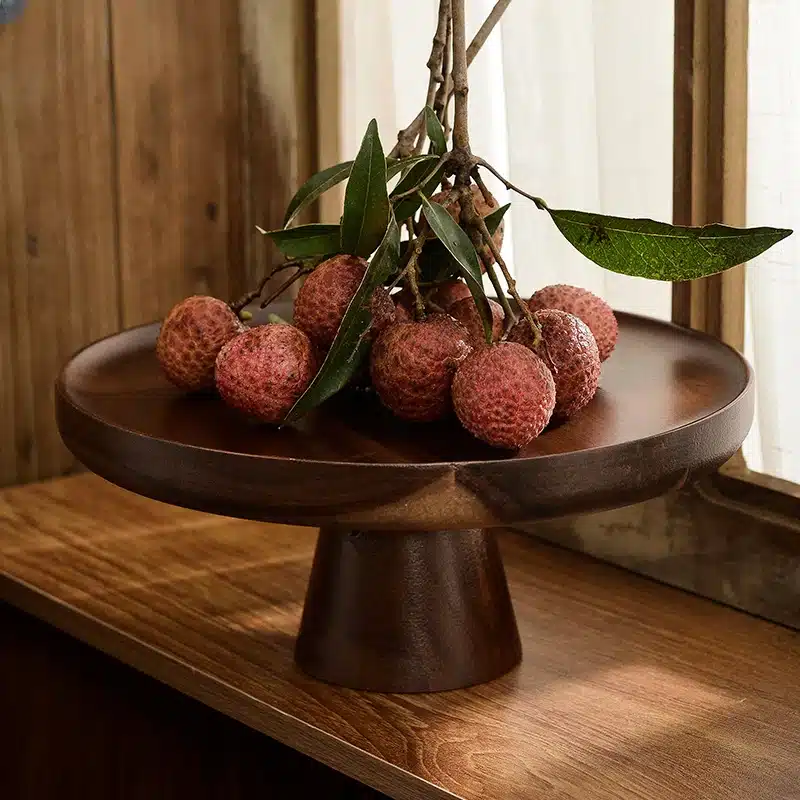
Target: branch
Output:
[
  {"x": 440, "y": 101},
  {"x": 414, "y": 189},
  {"x": 435, "y": 64},
  {"x": 486, "y": 29},
  {"x": 248, "y": 298},
  {"x": 510, "y": 317},
  {"x": 460, "y": 81},
  {"x": 540, "y": 204},
  {"x": 406, "y": 137},
  {"x": 285, "y": 285}
]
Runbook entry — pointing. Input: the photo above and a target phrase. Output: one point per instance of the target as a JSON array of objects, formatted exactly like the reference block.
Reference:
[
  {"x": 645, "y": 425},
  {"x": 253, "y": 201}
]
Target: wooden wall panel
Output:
[
  {"x": 58, "y": 265},
  {"x": 179, "y": 152},
  {"x": 279, "y": 118}
]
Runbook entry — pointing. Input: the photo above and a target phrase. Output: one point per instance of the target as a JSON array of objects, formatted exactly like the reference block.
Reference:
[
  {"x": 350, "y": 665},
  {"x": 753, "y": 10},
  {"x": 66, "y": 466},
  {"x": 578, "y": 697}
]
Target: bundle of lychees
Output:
[{"x": 398, "y": 285}]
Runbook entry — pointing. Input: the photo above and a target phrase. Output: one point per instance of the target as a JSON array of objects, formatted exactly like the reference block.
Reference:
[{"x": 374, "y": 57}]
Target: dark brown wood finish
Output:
[
  {"x": 628, "y": 690},
  {"x": 79, "y": 725},
  {"x": 671, "y": 402},
  {"x": 409, "y": 612}
]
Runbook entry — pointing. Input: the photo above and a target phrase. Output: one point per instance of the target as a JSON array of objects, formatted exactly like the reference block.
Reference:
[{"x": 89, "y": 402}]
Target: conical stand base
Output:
[{"x": 407, "y": 611}]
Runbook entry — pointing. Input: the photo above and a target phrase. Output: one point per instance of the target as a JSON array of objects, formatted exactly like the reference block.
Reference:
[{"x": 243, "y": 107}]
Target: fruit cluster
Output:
[{"x": 504, "y": 393}]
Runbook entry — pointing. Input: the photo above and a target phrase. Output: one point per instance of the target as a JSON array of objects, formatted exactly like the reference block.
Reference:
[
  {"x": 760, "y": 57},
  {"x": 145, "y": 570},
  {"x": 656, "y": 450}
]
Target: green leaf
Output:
[
  {"x": 494, "y": 219},
  {"x": 307, "y": 241},
  {"x": 657, "y": 250},
  {"x": 435, "y": 132},
  {"x": 407, "y": 206},
  {"x": 436, "y": 263},
  {"x": 366, "y": 199},
  {"x": 314, "y": 187},
  {"x": 453, "y": 237},
  {"x": 394, "y": 165},
  {"x": 351, "y": 344}
]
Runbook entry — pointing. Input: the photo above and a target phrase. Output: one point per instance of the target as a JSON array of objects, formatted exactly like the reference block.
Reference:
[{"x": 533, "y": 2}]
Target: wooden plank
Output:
[
  {"x": 58, "y": 265},
  {"x": 710, "y": 143},
  {"x": 627, "y": 689},
  {"x": 279, "y": 118},
  {"x": 179, "y": 152}
]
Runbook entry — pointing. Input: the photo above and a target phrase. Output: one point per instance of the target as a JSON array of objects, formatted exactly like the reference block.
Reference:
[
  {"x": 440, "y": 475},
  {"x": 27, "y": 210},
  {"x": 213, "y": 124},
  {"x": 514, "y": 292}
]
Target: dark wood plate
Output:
[
  {"x": 415, "y": 610},
  {"x": 671, "y": 402}
]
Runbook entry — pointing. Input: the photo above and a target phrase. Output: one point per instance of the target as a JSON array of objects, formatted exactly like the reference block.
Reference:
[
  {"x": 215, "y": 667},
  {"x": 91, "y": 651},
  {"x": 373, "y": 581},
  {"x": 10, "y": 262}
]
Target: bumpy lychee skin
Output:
[
  {"x": 593, "y": 310},
  {"x": 412, "y": 366},
  {"x": 504, "y": 395},
  {"x": 466, "y": 312},
  {"x": 483, "y": 208},
  {"x": 450, "y": 292},
  {"x": 323, "y": 298},
  {"x": 382, "y": 310},
  {"x": 262, "y": 372},
  {"x": 568, "y": 347},
  {"x": 191, "y": 336}
]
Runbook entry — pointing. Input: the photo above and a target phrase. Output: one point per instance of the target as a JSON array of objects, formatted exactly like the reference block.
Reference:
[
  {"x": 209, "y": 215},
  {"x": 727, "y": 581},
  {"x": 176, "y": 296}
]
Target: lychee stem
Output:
[
  {"x": 460, "y": 80},
  {"x": 407, "y": 136},
  {"x": 540, "y": 204},
  {"x": 442, "y": 100},
  {"x": 254, "y": 294},
  {"x": 435, "y": 65},
  {"x": 412, "y": 274},
  {"x": 428, "y": 177},
  {"x": 286, "y": 284}
]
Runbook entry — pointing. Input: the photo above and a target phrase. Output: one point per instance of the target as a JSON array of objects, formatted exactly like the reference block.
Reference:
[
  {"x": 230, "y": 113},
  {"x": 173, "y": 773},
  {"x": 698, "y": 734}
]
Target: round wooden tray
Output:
[{"x": 427, "y": 609}]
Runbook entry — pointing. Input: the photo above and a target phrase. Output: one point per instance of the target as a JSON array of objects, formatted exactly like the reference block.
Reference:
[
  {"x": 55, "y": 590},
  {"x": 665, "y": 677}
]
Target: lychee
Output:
[
  {"x": 412, "y": 366},
  {"x": 382, "y": 310},
  {"x": 504, "y": 395},
  {"x": 264, "y": 371},
  {"x": 568, "y": 347},
  {"x": 449, "y": 292},
  {"x": 483, "y": 208},
  {"x": 404, "y": 306},
  {"x": 191, "y": 336},
  {"x": 593, "y": 310},
  {"x": 466, "y": 312},
  {"x": 324, "y": 297}
]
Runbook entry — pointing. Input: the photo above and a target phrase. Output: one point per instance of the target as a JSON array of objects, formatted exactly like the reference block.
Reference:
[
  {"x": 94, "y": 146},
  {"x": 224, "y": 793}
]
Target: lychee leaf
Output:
[
  {"x": 408, "y": 206},
  {"x": 435, "y": 132},
  {"x": 648, "y": 249},
  {"x": 326, "y": 179},
  {"x": 493, "y": 220},
  {"x": 351, "y": 343},
  {"x": 453, "y": 237},
  {"x": 307, "y": 241},
  {"x": 366, "y": 198}
]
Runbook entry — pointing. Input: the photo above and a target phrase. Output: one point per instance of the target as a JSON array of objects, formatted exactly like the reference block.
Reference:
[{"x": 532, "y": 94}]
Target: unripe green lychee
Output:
[
  {"x": 264, "y": 371},
  {"x": 569, "y": 349},
  {"x": 412, "y": 366},
  {"x": 191, "y": 336},
  {"x": 593, "y": 310},
  {"x": 504, "y": 395},
  {"x": 324, "y": 297},
  {"x": 466, "y": 312}
]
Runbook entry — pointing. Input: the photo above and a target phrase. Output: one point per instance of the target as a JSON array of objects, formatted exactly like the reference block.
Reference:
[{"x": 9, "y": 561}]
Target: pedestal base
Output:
[{"x": 407, "y": 611}]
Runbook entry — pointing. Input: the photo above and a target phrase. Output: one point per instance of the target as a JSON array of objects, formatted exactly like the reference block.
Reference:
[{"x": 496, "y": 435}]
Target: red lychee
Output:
[
  {"x": 191, "y": 336},
  {"x": 483, "y": 208},
  {"x": 404, "y": 306},
  {"x": 262, "y": 372},
  {"x": 593, "y": 310},
  {"x": 382, "y": 310},
  {"x": 568, "y": 348},
  {"x": 504, "y": 395},
  {"x": 324, "y": 297},
  {"x": 412, "y": 366},
  {"x": 450, "y": 292},
  {"x": 466, "y": 312}
]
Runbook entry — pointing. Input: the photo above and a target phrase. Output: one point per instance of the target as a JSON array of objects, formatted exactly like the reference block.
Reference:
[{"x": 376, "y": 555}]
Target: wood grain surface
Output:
[
  {"x": 627, "y": 689},
  {"x": 671, "y": 403},
  {"x": 58, "y": 260}
]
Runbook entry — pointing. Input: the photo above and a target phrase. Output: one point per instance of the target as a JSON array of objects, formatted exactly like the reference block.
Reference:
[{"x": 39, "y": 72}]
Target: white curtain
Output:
[
  {"x": 572, "y": 100},
  {"x": 773, "y": 198}
]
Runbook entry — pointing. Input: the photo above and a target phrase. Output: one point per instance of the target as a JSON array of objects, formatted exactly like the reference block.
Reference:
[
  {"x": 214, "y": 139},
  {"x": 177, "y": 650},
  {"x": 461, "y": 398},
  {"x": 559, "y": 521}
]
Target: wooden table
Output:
[{"x": 628, "y": 689}]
